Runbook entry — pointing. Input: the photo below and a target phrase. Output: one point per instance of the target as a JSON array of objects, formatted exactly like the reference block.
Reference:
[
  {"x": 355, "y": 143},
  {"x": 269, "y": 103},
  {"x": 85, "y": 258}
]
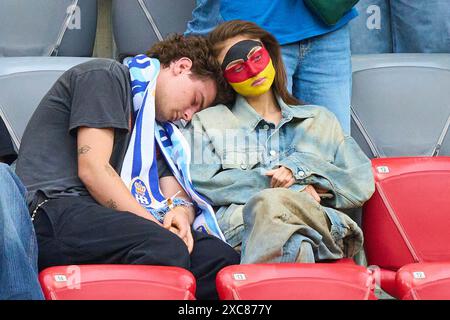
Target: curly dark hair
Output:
[{"x": 204, "y": 64}]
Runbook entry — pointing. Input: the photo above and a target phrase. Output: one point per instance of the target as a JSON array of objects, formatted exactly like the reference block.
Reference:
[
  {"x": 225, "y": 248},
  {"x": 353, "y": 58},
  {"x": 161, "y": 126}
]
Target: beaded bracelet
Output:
[
  {"x": 171, "y": 203},
  {"x": 178, "y": 202}
]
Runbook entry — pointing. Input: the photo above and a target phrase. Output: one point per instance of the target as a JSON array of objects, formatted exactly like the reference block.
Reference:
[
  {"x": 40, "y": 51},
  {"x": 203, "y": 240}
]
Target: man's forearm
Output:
[
  {"x": 169, "y": 187},
  {"x": 94, "y": 148},
  {"x": 106, "y": 186},
  {"x": 190, "y": 213}
]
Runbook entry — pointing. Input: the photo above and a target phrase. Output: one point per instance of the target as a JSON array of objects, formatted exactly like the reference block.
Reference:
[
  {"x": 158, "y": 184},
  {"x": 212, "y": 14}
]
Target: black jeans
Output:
[{"x": 77, "y": 230}]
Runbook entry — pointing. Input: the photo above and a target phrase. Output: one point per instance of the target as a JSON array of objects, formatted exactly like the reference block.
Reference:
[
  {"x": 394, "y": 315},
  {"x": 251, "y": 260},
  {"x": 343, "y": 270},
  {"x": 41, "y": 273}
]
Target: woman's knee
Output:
[
  {"x": 268, "y": 200},
  {"x": 269, "y": 196}
]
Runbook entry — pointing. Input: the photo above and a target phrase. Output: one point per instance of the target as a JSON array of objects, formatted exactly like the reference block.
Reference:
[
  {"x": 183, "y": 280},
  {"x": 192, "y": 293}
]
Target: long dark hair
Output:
[{"x": 233, "y": 28}]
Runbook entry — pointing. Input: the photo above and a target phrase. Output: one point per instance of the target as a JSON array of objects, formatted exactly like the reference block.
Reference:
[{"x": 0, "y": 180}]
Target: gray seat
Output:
[
  {"x": 401, "y": 104},
  {"x": 138, "y": 24},
  {"x": 23, "y": 83},
  {"x": 47, "y": 27}
]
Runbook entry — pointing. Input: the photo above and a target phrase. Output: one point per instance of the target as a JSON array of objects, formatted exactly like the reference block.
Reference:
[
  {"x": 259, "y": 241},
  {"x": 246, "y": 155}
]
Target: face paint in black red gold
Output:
[{"x": 248, "y": 68}]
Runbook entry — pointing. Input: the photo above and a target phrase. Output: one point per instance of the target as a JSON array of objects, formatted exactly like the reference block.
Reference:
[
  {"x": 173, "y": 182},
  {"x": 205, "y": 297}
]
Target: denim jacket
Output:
[{"x": 233, "y": 148}]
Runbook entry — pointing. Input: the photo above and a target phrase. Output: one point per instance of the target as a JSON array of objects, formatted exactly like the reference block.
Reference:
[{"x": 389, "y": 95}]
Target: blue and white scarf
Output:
[{"x": 139, "y": 169}]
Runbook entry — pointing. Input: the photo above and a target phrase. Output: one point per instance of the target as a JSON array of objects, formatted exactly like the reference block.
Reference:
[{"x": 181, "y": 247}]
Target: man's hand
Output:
[
  {"x": 152, "y": 218},
  {"x": 282, "y": 177},
  {"x": 177, "y": 221}
]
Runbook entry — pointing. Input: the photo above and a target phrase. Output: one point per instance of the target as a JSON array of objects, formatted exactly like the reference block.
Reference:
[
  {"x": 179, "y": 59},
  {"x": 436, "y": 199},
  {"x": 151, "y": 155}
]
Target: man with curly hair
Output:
[{"x": 73, "y": 150}]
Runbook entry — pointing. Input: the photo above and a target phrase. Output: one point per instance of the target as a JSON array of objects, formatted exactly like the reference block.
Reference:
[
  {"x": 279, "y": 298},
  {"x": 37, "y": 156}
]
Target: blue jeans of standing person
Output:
[
  {"x": 420, "y": 26},
  {"x": 371, "y": 32},
  {"x": 18, "y": 247},
  {"x": 319, "y": 72}
]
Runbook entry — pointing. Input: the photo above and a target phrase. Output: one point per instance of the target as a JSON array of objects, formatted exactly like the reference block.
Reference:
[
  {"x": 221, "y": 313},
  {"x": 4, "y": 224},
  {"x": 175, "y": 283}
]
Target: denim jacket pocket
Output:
[{"x": 312, "y": 152}]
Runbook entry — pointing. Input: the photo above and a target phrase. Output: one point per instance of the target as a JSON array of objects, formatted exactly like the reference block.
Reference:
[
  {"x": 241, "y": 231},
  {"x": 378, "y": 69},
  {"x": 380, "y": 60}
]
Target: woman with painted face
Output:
[{"x": 278, "y": 172}]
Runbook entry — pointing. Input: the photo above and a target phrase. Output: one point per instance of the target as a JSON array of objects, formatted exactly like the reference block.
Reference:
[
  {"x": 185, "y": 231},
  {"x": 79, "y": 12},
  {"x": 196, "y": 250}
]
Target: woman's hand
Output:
[
  {"x": 312, "y": 191},
  {"x": 282, "y": 177},
  {"x": 177, "y": 221}
]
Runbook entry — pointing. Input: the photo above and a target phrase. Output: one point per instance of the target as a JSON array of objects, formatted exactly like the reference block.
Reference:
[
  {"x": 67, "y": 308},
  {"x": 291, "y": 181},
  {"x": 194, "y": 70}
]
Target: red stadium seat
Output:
[
  {"x": 424, "y": 281},
  {"x": 296, "y": 281},
  {"x": 117, "y": 282},
  {"x": 407, "y": 219}
]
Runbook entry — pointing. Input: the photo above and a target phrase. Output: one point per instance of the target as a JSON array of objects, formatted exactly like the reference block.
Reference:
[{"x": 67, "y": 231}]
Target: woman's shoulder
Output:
[
  {"x": 312, "y": 110},
  {"x": 213, "y": 113},
  {"x": 214, "y": 109}
]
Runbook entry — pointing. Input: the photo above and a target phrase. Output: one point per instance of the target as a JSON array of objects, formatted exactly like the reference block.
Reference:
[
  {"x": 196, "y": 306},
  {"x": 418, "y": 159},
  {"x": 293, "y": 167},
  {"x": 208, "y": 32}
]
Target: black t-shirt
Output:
[
  {"x": 7, "y": 152},
  {"x": 95, "y": 94}
]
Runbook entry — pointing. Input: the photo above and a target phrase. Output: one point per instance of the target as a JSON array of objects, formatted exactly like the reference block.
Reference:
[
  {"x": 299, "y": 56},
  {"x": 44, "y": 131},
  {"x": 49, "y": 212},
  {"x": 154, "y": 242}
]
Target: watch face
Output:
[{"x": 248, "y": 68}]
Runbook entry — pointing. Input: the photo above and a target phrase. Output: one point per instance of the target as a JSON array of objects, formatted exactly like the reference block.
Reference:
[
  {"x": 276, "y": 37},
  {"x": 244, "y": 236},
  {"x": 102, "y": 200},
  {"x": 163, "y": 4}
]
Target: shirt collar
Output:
[{"x": 250, "y": 118}]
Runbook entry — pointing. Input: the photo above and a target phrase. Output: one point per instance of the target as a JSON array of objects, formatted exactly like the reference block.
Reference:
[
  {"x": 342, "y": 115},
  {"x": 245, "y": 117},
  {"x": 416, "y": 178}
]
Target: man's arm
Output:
[
  {"x": 170, "y": 186},
  {"x": 94, "y": 147},
  {"x": 179, "y": 219}
]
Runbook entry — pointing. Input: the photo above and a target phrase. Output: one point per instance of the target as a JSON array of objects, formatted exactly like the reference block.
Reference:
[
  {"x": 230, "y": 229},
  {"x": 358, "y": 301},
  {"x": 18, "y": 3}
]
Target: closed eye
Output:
[
  {"x": 257, "y": 57},
  {"x": 194, "y": 101},
  {"x": 198, "y": 102},
  {"x": 239, "y": 68},
  {"x": 234, "y": 63}
]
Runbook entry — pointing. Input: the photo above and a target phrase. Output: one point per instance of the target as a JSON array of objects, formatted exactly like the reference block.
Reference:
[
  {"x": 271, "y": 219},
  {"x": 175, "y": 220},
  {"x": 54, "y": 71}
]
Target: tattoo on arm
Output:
[
  {"x": 111, "y": 204},
  {"x": 83, "y": 150}
]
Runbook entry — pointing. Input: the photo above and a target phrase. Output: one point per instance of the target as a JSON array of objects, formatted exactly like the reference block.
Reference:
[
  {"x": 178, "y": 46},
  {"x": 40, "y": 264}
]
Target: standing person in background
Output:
[
  {"x": 401, "y": 26},
  {"x": 316, "y": 56},
  {"x": 18, "y": 247},
  {"x": 420, "y": 26}
]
